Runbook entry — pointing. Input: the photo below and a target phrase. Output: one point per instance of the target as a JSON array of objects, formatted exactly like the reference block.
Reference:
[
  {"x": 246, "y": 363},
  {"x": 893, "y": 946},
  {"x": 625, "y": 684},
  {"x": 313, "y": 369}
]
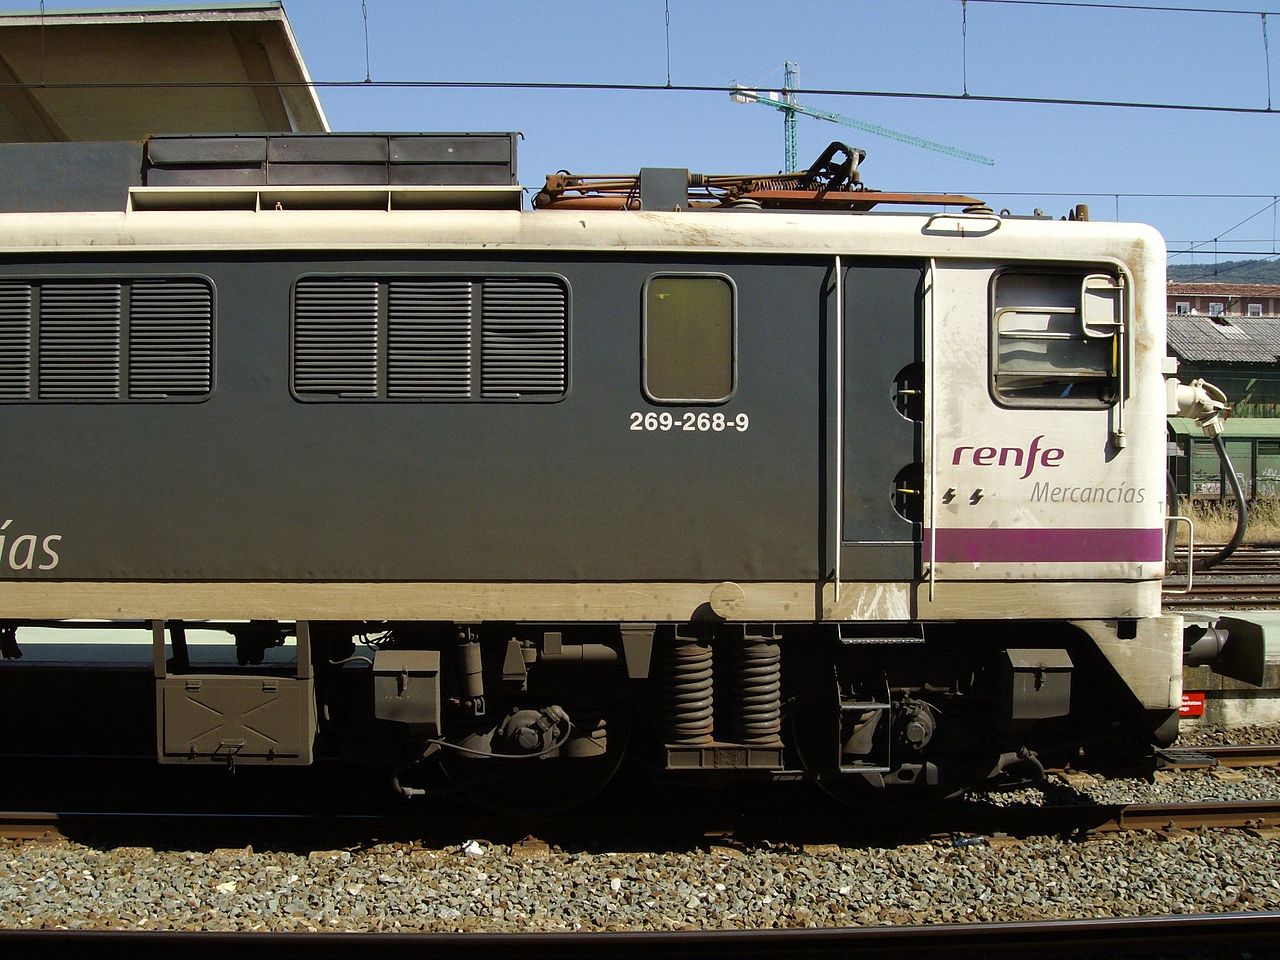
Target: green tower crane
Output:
[{"x": 786, "y": 103}]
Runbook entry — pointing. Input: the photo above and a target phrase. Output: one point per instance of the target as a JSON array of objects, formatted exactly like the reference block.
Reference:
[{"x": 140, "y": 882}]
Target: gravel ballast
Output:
[
  {"x": 390, "y": 888},
  {"x": 480, "y": 886}
]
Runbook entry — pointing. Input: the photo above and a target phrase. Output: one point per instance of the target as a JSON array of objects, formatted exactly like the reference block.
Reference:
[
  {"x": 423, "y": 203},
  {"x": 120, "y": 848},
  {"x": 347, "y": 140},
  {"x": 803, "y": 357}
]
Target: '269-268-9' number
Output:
[{"x": 689, "y": 421}]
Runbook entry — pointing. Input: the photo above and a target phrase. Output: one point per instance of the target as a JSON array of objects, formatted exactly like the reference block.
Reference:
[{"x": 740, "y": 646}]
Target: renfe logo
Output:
[{"x": 1012, "y": 456}]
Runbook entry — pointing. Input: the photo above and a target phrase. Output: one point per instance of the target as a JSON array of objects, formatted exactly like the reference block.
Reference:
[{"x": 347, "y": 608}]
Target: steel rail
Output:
[
  {"x": 1221, "y": 602},
  {"x": 941, "y": 819},
  {"x": 1182, "y": 935},
  {"x": 1244, "y": 754},
  {"x": 1085, "y": 819},
  {"x": 1194, "y": 816},
  {"x": 1241, "y": 589},
  {"x": 1226, "y": 757}
]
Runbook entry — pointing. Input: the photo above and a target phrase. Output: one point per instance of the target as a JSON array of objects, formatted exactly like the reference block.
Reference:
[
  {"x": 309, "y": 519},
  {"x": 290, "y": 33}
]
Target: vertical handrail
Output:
[
  {"x": 839, "y": 394},
  {"x": 1191, "y": 548},
  {"x": 1122, "y": 357},
  {"x": 929, "y": 383}
]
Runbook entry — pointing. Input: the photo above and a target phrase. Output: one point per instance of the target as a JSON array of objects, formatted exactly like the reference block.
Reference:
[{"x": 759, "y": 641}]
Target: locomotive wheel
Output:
[{"x": 537, "y": 787}]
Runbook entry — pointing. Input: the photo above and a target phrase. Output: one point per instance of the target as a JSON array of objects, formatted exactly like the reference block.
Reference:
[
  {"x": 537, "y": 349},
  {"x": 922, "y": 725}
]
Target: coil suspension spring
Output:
[
  {"x": 757, "y": 690},
  {"x": 689, "y": 692}
]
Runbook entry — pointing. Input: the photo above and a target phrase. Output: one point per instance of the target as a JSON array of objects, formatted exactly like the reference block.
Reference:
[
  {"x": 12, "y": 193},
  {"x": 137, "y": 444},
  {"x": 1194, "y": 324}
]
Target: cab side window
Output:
[
  {"x": 1056, "y": 338},
  {"x": 689, "y": 339}
]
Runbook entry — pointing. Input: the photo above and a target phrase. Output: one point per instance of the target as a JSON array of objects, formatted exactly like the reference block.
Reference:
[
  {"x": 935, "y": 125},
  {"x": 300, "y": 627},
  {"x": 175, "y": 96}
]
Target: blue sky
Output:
[{"x": 1094, "y": 153}]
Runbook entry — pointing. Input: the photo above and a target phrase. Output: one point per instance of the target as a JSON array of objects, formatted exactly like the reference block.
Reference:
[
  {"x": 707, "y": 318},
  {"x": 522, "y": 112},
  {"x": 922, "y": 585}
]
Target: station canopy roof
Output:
[{"x": 210, "y": 68}]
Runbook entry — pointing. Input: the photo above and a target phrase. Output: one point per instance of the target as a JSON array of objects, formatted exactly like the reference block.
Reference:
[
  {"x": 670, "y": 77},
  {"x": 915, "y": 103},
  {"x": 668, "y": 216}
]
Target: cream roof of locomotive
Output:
[{"x": 1138, "y": 246}]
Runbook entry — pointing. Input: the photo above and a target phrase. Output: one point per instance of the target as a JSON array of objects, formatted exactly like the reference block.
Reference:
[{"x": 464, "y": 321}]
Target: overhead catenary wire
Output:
[
  {"x": 1147, "y": 7},
  {"x": 591, "y": 86},
  {"x": 1129, "y": 7},
  {"x": 1258, "y": 254},
  {"x": 1214, "y": 240},
  {"x": 1233, "y": 265},
  {"x": 1186, "y": 246}
]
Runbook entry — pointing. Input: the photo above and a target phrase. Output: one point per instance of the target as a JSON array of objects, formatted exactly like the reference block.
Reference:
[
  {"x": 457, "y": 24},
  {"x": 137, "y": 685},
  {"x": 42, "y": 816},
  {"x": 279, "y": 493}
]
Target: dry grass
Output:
[{"x": 1216, "y": 522}]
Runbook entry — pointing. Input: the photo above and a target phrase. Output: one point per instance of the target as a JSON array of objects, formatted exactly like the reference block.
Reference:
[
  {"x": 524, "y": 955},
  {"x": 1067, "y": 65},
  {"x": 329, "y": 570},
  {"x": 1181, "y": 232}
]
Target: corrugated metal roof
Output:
[{"x": 1198, "y": 338}]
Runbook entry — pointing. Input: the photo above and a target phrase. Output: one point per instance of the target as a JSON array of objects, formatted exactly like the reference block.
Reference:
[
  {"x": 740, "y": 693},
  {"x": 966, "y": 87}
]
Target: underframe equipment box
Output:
[{"x": 235, "y": 717}]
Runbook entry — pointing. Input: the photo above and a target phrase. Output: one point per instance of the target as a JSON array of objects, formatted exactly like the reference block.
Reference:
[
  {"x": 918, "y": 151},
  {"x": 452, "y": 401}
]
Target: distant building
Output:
[
  {"x": 1239, "y": 353},
  {"x": 1224, "y": 299}
]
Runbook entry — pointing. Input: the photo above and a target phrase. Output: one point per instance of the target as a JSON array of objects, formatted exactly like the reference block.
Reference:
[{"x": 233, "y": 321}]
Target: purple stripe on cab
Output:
[{"x": 1047, "y": 545}]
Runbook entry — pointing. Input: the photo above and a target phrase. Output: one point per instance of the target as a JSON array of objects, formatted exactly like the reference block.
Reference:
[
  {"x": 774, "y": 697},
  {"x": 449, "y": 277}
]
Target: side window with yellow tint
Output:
[{"x": 689, "y": 339}]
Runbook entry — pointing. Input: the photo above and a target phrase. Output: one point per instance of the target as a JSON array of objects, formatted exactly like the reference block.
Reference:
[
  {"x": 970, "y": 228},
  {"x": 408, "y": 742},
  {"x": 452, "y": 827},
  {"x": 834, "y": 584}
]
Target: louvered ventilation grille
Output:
[
  {"x": 15, "y": 341},
  {"x": 429, "y": 340},
  {"x": 170, "y": 339},
  {"x": 523, "y": 338},
  {"x": 430, "y": 328},
  {"x": 80, "y": 341},
  {"x": 335, "y": 338}
]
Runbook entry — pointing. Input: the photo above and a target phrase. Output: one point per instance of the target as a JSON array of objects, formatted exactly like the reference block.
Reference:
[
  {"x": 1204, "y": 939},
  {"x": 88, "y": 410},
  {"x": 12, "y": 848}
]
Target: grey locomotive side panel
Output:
[
  {"x": 254, "y": 485},
  {"x": 883, "y": 444}
]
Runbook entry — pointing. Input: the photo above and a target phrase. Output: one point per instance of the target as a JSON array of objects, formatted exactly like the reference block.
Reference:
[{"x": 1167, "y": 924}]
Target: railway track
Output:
[
  {"x": 1248, "y": 579},
  {"x": 941, "y": 820},
  {"x": 1248, "y": 558},
  {"x": 1174, "y": 936},
  {"x": 1226, "y": 597},
  {"x": 223, "y": 821},
  {"x": 1234, "y": 756}
]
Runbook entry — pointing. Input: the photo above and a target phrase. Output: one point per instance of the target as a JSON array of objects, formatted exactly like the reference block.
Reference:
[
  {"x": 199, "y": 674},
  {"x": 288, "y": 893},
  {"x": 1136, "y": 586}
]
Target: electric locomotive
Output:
[{"x": 745, "y": 471}]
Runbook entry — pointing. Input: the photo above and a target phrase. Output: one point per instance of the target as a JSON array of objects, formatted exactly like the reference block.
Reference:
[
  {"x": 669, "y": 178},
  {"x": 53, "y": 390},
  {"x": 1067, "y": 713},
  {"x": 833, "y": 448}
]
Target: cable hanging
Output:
[
  {"x": 964, "y": 45},
  {"x": 1266, "y": 56},
  {"x": 42, "y": 43},
  {"x": 364, "y": 12},
  {"x": 666, "y": 5}
]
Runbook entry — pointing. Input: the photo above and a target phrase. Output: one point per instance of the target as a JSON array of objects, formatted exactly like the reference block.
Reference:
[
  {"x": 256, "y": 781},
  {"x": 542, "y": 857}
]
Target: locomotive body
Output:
[{"x": 874, "y": 498}]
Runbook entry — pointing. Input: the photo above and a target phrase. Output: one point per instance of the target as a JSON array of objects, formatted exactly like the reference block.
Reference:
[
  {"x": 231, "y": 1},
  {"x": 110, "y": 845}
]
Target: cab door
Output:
[
  {"x": 1046, "y": 460},
  {"x": 880, "y": 419}
]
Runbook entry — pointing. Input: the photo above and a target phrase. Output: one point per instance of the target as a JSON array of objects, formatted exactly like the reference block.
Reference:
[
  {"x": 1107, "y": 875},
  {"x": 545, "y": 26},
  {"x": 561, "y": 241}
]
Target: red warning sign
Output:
[{"x": 1192, "y": 705}]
